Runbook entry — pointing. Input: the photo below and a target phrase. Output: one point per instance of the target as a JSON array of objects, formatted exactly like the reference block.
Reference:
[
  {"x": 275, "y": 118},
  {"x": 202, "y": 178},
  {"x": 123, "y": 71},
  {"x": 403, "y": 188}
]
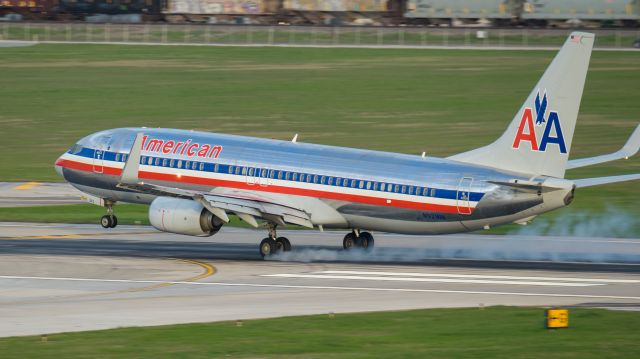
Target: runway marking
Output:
[
  {"x": 447, "y": 275},
  {"x": 209, "y": 271},
  {"x": 28, "y": 185},
  {"x": 432, "y": 280},
  {"x": 287, "y": 286}
]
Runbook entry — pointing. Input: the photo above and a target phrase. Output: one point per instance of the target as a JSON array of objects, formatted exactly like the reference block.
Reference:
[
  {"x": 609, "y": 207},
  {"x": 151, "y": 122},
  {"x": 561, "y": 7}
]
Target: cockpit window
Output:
[{"x": 75, "y": 149}]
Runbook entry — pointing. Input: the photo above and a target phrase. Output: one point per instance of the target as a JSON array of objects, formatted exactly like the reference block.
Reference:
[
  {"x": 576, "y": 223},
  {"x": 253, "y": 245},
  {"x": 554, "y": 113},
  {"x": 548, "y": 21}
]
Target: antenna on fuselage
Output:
[{"x": 295, "y": 138}]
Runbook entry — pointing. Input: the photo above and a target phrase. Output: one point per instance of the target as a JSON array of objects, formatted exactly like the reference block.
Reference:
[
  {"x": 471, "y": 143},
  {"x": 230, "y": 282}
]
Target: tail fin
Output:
[{"x": 538, "y": 139}]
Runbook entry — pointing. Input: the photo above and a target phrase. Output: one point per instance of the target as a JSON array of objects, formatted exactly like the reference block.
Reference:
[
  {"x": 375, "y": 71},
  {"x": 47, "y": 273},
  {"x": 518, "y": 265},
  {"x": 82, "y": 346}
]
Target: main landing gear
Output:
[
  {"x": 273, "y": 244},
  {"x": 109, "y": 220},
  {"x": 357, "y": 239}
]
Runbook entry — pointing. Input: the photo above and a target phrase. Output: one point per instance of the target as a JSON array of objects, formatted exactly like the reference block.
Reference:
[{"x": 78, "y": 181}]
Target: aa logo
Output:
[{"x": 552, "y": 129}]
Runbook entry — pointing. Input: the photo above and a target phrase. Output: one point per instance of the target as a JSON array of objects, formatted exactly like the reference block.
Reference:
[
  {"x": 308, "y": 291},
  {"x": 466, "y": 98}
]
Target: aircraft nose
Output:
[{"x": 58, "y": 166}]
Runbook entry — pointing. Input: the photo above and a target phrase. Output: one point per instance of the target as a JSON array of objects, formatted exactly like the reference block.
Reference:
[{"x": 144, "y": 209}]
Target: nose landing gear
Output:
[
  {"x": 109, "y": 220},
  {"x": 273, "y": 244}
]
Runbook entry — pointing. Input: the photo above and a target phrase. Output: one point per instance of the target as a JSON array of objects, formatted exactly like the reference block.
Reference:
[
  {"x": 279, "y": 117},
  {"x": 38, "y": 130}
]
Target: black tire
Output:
[
  {"x": 285, "y": 244},
  {"x": 267, "y": 247},
  {"x": 349, "y": 241},
  {"x": 106, "y": 221},
  {"x": 114, "y": 221},
  {"x": 366, "y": 241}
]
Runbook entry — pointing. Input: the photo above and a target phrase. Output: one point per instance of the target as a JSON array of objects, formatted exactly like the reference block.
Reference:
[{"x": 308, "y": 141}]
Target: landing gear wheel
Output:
[
  {"x": 268, "y": 247},
  {"x": 366, "y": 241},
  {"x": 114, "y": 221},
  {"x": 349, "y": 241},
  {"x": 107, "y": 221},
  {"x": 284, "y": 243}
]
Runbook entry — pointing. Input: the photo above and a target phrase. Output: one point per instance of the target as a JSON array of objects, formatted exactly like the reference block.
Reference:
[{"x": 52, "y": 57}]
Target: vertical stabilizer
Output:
[{"x": 539, "y": 137}]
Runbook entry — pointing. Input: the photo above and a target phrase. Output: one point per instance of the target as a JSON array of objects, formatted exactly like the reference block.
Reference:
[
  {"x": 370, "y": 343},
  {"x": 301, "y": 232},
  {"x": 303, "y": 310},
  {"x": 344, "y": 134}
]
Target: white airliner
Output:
[{"x": 194, "y": 180}]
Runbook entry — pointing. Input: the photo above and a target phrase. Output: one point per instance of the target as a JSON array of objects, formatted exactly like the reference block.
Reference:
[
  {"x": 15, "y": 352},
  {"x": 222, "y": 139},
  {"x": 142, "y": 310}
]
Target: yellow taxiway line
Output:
[{"x": 28, "y": 185}]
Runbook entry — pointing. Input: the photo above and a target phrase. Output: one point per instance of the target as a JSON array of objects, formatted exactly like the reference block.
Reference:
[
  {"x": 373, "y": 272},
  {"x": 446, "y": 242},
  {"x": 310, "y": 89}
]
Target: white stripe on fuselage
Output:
[{"x": 272, "y": 182}]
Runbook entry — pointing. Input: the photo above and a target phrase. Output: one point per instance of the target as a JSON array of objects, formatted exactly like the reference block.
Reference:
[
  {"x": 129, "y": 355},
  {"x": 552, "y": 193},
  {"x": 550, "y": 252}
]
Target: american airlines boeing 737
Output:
[{"x": 194, "y": 180}]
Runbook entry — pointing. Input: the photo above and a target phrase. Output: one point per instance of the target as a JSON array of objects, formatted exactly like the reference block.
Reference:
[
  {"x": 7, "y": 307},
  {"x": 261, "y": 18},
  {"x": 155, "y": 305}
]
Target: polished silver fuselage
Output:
[{"x": 339, "y": 187}]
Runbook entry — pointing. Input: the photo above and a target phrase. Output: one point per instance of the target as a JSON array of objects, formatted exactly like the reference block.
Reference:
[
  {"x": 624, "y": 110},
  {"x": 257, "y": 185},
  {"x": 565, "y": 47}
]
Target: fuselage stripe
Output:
[{"x": 331, "y": 195}]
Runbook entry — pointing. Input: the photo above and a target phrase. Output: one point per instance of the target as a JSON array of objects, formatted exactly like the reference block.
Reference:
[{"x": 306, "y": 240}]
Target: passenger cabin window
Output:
[
  {"x": 201, "y": 166},
  {"x": 179, "y": 163},
  {"x": 165, "y": 162}
]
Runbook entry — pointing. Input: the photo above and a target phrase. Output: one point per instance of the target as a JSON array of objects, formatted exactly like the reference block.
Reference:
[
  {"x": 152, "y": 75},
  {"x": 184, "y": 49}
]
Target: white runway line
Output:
[
  {"x": 371, "y": 289},
  {"x": 433, "y": 280},
  {"x": 407, "y": 274}
]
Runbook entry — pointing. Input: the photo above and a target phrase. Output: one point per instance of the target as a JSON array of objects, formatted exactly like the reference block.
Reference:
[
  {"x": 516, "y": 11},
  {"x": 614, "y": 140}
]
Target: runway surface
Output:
[
  {"x": 56, "y": 278},
  {"x": 23, "y": 194}
]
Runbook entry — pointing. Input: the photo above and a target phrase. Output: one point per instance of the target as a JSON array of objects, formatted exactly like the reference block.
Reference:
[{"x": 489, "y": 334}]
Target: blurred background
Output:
[{"x": 315, "y": 22}]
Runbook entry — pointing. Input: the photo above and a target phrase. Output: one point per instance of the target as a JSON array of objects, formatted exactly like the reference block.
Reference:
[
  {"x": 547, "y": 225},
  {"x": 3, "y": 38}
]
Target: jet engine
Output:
[{"x": 183, "y": 216}]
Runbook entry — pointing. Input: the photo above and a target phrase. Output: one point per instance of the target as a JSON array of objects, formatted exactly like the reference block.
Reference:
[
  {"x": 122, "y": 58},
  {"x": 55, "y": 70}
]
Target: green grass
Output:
[
  {"x": 87, "y": 213},
  {"x": 441, "y": 101},
  {"x": 76, "y": 213},
  {"x": 495, "y": 332},
  {"x": 295, "y": 35}
]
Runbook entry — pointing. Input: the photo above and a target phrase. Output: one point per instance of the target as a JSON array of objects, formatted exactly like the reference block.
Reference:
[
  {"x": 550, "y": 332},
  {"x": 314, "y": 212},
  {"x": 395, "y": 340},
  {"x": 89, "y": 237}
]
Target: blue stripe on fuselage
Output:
[{"x": 224, "y": 168}]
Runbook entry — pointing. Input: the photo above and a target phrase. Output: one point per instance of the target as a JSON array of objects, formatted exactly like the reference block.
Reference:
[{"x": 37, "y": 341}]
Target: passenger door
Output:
[
  {"x": 101, "y": 146},
  {"x": 463, "y": 201}
]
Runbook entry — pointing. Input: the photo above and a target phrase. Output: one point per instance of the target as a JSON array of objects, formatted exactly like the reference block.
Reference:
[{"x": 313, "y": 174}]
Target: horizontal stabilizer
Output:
[
  {"x": 588, "y": 182},
  {"x": 629, "y": 149}
]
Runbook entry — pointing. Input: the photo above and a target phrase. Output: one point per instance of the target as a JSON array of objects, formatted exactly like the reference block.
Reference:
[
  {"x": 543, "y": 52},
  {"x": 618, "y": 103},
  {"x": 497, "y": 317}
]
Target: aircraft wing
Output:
[
  {"x": 629, "y": 149},
  {"x": 246, "y": 205},
  {"x": 588, "y": 182},
  {"x": 248, "y": 209}
]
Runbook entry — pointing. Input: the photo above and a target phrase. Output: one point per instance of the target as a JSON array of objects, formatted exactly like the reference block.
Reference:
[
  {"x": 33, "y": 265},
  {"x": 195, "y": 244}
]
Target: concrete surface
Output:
[
  {"x": 24, "y": 194},
  {"x": 56, "y": 278}
]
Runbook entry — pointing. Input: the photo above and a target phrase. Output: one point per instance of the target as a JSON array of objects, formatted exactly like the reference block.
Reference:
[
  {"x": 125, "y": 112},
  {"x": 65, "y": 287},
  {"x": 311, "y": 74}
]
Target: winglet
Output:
[
  {"x": 131, "y": 167},
  {"x": 629, "y": 149}
]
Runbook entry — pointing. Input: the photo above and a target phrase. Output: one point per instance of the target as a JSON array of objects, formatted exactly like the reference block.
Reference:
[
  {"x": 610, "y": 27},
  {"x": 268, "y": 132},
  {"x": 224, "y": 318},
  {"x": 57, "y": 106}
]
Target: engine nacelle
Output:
[{"x": 183, "y": 216}]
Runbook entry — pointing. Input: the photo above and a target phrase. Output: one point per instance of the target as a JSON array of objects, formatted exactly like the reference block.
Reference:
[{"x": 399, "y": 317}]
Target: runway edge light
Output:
[{"x": 557, "y": 318}]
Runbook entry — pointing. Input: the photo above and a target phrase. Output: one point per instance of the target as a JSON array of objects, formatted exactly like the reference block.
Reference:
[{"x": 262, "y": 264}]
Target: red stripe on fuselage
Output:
[
  {"x": 89, "y": 167},
  {"x": 377, "y": 201}
]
